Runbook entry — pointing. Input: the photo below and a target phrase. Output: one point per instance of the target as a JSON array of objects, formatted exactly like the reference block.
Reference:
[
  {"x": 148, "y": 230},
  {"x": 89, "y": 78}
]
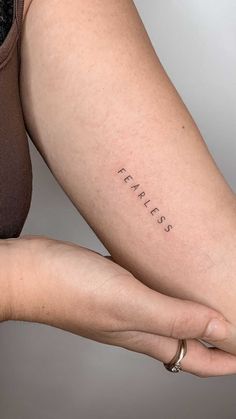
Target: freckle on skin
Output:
[{"x": 183, "y": 126}]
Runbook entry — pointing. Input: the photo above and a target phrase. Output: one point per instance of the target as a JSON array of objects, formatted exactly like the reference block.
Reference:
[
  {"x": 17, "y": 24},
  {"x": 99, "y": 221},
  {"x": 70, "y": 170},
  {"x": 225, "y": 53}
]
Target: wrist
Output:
[
  {"x": 17, "y": 270},
  {"x": 7, "y": 278}
]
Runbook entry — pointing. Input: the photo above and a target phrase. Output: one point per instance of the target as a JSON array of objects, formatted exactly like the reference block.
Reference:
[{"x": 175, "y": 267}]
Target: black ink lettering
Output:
[
  {"x": 168, "y": 228},
  {"x": 161, "y": 219},
  {"x": 135, "y": 186},
  {"x": 154, "y": 210},
  {"x": 128, "y": 177},
  {"x": 142, "y": 194}
]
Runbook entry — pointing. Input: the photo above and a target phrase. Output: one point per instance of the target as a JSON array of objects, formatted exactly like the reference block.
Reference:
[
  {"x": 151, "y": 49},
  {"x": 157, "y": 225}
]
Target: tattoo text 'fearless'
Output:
[{"x": 154, "y": 211}]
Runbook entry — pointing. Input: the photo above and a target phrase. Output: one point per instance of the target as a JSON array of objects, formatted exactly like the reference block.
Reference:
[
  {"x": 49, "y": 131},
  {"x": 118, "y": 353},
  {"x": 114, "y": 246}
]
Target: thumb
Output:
[{"x": 180, "y": 319}]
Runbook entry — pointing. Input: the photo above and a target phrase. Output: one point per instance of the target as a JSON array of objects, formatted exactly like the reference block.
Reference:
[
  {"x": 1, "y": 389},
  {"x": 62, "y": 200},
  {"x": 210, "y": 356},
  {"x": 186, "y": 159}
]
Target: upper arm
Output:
[{"x": 113, "y": 130}]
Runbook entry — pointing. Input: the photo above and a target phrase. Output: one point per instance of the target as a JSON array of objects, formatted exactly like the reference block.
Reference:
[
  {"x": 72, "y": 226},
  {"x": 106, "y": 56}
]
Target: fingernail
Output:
[{"x": 216, "y": 329}]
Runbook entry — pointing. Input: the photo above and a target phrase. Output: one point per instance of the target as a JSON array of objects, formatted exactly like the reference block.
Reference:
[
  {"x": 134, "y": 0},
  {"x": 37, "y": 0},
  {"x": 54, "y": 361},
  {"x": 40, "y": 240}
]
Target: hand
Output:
[{"x": 76, "y": 289}]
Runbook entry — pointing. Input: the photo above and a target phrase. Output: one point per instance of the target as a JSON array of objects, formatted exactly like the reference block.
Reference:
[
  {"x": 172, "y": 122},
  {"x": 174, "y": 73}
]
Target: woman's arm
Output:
[
  {"x": 76, "y": 289},
  {"x": 5, "y": 282},
  {"x": 101, "y": 110}
]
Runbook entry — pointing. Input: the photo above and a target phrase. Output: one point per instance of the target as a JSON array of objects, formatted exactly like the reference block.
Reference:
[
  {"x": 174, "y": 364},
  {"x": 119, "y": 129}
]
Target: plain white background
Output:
[{"x": 46, "y": 373}]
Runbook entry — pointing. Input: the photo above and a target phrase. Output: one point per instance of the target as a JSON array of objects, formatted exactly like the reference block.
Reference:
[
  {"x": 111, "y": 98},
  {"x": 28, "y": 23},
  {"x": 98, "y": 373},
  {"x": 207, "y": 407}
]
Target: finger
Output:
[
  {"x": 159, "y": 314},
  {"x": 228, "y": 343},
  {"x": 199, "y": 360}
]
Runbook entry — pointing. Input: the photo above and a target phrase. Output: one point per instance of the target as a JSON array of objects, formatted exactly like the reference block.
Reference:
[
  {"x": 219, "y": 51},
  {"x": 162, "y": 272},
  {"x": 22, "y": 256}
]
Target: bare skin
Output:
[
  {"x": 76, "y": 289},
  {"x": 27, "y": 4},
  {"x": 102, "y": 112}
]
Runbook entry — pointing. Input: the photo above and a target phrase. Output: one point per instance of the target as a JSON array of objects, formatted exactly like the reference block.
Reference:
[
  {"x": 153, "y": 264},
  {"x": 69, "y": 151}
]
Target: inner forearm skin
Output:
[
  {"x": 119, "y": 139},
  {"x": 5, "y": 283}
]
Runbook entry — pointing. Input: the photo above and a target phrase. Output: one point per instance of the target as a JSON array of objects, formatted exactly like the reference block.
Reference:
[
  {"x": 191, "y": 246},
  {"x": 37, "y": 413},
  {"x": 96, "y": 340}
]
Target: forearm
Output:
[
  {"x": 75, "y": 289},
  {"x": 196, "y": 258},
  {"x": 5, "y": 281},
  {"x": 107, "y": 122},
  {"x": 35, "y": 292}
]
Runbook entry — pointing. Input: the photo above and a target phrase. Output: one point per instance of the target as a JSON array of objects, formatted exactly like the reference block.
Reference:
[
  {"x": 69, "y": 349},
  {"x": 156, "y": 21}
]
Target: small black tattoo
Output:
[{"x": 155, "y": 211}]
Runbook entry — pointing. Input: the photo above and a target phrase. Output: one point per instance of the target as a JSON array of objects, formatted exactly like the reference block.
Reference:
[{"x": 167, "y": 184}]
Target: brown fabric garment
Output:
[{"x": 15, "y": 163}]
